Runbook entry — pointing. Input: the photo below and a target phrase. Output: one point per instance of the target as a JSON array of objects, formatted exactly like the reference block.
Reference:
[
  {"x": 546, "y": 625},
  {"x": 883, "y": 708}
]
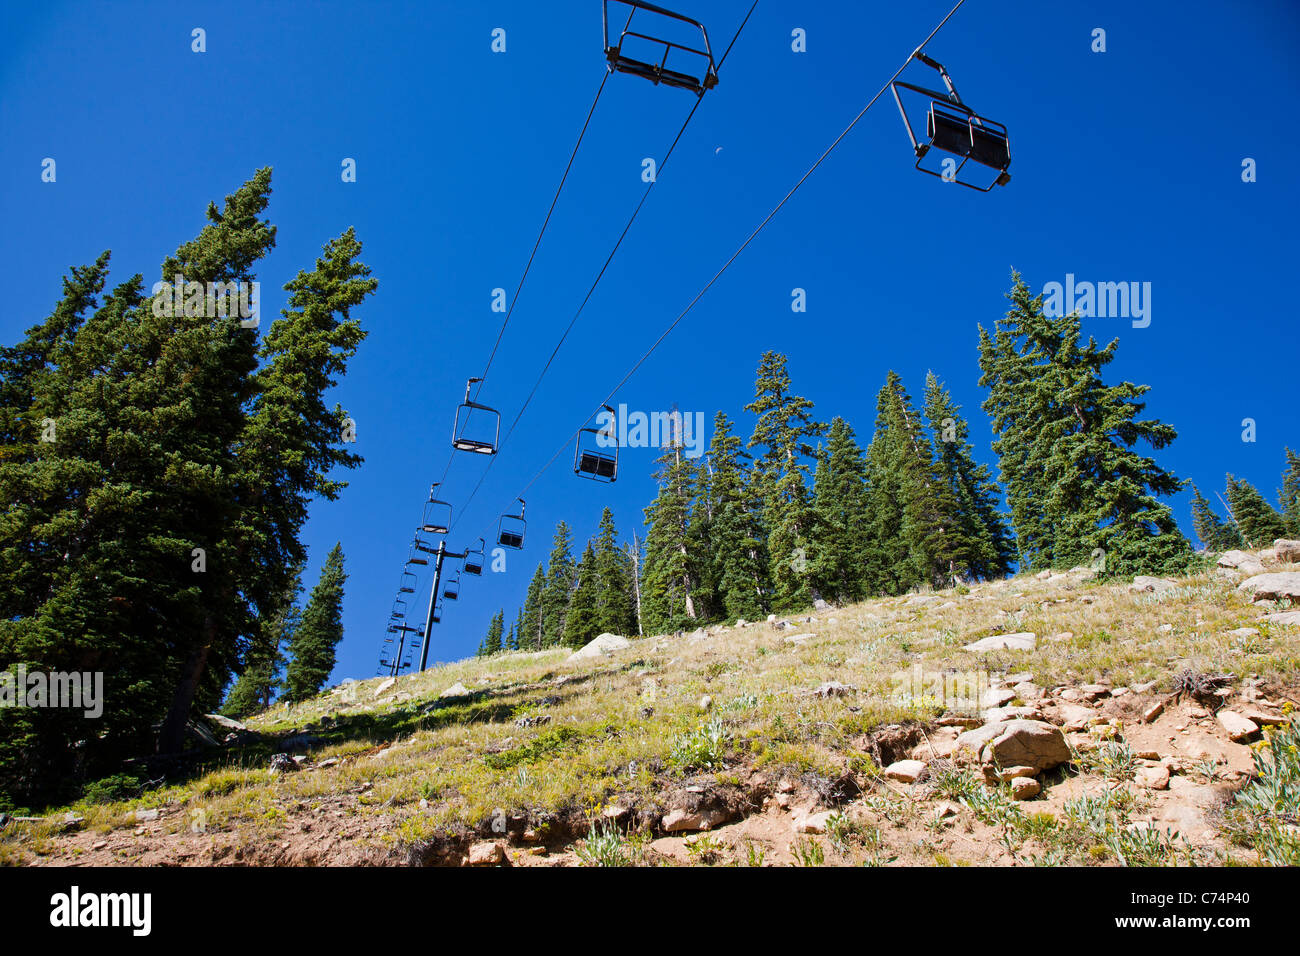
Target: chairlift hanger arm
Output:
[{"x": 947, "y": 80}]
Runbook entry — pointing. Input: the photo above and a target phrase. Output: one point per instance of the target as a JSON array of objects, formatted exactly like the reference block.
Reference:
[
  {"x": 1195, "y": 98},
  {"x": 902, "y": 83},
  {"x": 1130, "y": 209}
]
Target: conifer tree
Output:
[
  {"x": 784, "y": 432},
  {"x": 979, "y": 542},
  {"x": 613, "y": 611},
  {"x": 561, "y": 575},
  {"x": 580, "y": 622},
  {"x": 264, "y": 659},
  {"x": 667, "y": 598},
  {"x": 1076, "y": 484},
  {"x": 1259, "y": 523},
  {"x": 733, "y": 549},
  {"x": 1289, "y": 494},
  {"x": 531, "y": 627},
  {"x": 492, "y": 641},
  {"x": 842, "y": 506},
  {"x": 319, "y": 631},
  {"x": 1214, "y": 533}
]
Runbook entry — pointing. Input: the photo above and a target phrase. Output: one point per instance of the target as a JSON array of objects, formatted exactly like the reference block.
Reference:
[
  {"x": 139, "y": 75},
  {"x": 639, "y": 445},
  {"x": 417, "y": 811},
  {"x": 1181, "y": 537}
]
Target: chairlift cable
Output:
[{"x": 743, "y": 246}]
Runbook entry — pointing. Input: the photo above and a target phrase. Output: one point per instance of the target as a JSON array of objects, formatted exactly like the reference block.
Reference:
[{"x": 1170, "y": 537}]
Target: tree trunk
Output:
[{"x": 172, "y": 736}]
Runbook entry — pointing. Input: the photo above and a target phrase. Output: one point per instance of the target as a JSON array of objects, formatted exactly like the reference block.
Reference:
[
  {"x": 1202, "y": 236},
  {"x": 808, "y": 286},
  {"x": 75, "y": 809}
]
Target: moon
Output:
[{"x": 716, "y": 151}]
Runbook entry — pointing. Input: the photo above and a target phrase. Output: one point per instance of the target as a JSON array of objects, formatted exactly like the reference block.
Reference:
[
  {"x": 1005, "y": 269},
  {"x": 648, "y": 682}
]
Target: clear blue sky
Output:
[{"x": 1126, "y": 167}]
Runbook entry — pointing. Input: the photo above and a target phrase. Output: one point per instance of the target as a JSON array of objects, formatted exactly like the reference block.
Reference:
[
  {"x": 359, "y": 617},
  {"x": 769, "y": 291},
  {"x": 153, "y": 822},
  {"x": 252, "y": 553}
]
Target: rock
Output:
[
  {"x": 997, "y": 715},
  {"x": 224, "y": 722},
  {"x": 1152, "y": 712},
  {"x": 834, "y": 688},
  {"x": 1291, "y": 618},
  {"x": 601, "y": 646},
  {"x": 741, "y": 622},
  {"x": 145, "y": 816},
  {"x": 1011, "y": 773},
  {"x": 1145, "y": 582},
  {"x": 919, "y": 600},
  {"x": 384, "y": 685},
  {"x": 798, "y": 638},
  {"x": 1284, "y": 585},
  {"x": 487, "y": 853},
  {"x": 1152, "y": 778},
  {"x": 1286, "y": 550},
  {"x": 282, "y": 763},
  {"x": 4, "y": 819},
  {"x": 1247, "y": 564},
  {"x": 533, "y": 720},
  {"x": 1024, "y": 641},
  {"x": 1043, "y": 575},
  {"x": 1239, "y": 728},
  {"x": 997, "y": 696},
  {"x": 1094, "y": 691},
  {"x": 1263, "y": 717},
  {"x": 812, "y": 822},
  {"x": 771, "y": 619},
  {"x": 1144, "y": 687},
  {"x": 1025, "y": 788},
  {"x": 1028, "y": 690},
  {"x": 1015, "y": 743},
  {"x": 1242, "y": 632},
  {"x": 456, "y": 690},
  {"x": 706, "y": 703},
  {"x": 905, "y": 771},
  {"x": 1062, "y": 637},
  {"x": 676, "y": 821},
  {"x": 945, "y": 809},
  {"x": 820, "y": 605},
  {"x": 1074, "y": 717},
  {"x": 72, "y": 821}
]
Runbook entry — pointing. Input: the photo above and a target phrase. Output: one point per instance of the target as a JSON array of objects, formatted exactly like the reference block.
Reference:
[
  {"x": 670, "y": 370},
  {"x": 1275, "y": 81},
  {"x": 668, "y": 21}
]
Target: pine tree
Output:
[
  {"x": 979, "y": 541},
  {"x": 561, "y": 575},
  {"x": 842, "y": 505},
  {"x": 319, "y": 631},
  {"x": 1259, "y": 523},
  {"x": 1214, "y": 533},
  {"x": 1076, "y": 485},
  {"x": 264, "y": 659},
  {"x": 732, "y": 549},
  {"x": 580, "y": 622},
  {"x": 613, "y": 612},
  {"x": 531, "y": 628},
  {"x": 667, "y": 599},
  {"x": 1289, "y": 494},
  {"x": 492, "y": 642},
  {"x": 784, "y": 432}
]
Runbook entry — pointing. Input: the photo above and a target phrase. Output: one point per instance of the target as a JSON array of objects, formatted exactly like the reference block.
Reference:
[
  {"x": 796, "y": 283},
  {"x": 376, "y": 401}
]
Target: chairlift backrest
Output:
[
  {"x": 437, "y": 514},
  {"x": 461, "y": 439},
  {"x": 511, "y": 528},
  {"x": 654, "y": 21},
  {"x": 474, "y": 558},
  {"x": 595, "y": 457}
]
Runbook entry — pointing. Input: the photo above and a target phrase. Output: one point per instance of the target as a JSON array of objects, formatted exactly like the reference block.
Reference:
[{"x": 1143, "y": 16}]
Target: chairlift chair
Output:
[
  {"x": 511, "y": 528},
  {"x": 437, "y": 514},
  {"x": 437, "y": 614},
  {"x": 399, "y": 609},
  {"x": 474, "y": 559},
  {"x": 451, "y": 588},
  {"x": 408, "y": 583},
  {"x": 421, "y": 545},
  {"x": 954, "y": 128},
  {"x": 619, "y": 61},
  {"x": 590, "y": 458},
  {"x": 462, "y": 441},
  {"x": 412, "y": 557}
]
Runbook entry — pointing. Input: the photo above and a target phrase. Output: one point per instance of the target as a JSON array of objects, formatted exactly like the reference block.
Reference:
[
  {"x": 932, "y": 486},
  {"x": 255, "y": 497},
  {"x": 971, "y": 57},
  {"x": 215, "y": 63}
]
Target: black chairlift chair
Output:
[
  {"x": 437, "y": 613},
  {"x": 451, "y": 588},
  {"x": 474, "y": 559},
  {"x": 408, "y": 583},
  {"x": 954, "y": 128},
  {"x": 511, "y": 528},
  {"x": 461, "y": 440},
  {"x": 437, "y": 514},
  {"x": 593, "y": 460},
  {"x": 421, "y": 545},
  {"x": 399, "y": 609},
  {"x": 657, "y": 19},
  {"x": 413, "y": 558}
]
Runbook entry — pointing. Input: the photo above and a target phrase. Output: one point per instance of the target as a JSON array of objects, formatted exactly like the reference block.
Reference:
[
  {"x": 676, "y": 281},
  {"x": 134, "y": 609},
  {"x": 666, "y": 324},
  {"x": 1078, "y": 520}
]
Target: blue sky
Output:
[{"x": 1126, "y": 167}]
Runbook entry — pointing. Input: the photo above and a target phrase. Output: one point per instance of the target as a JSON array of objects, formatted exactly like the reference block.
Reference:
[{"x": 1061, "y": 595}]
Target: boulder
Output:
[
  {"x": 1145, "y": 582},
  {"x": 1025, "y": 788},
  {"x": 1285, "y": 549},
  {"x": 811, "y": 822},
  {"x": 224, "y": 722},
  {"x": 487, "y": 853},
  {"x": 905, "y": 771},
  {"x": 798, "y": 638},
  {"x": 602, "y": 646},
  {"x": 997, "y": 696},
  {"x": 456, "y": 690},
  {"x": 1241, "y": 561},
  {"x": 1291, "y": 618},
  {"x": 1017, "y": 743},
  {"x": 385, "y": 685},
  {"x": 1024, "y": 641},
  {"x": 1152, "y": 778},
  {"x": 1239, "y": 728},
  {"x": 1283, "y": 585},
  {"x": 834, "y": 688}
]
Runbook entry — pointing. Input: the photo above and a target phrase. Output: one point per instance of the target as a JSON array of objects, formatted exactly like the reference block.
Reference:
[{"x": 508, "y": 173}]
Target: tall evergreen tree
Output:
[
  {"x": 531, "y": 627},
  {"x": 1259, "y": 523},
  {"x": 1289, "y": 494},
  {"x": 318, "y": 633},
  {"x": 1214, "y": 533},
  {"x": 784, "y": 432},
  {"x": 264, "y": 660},
  {"x": 580, "y": 621},
  {"x": 733, "y": 549},
  {"x": 561, "y": 576},
  {"x": 667, "y": 598},
  {"x": 980, "y": 544},
  {"x": 842, "y": 506},
  {"x": 614, "y": 611},
  {"x": 1075, "y": 482},
  {"x": 492, "y": 641}
]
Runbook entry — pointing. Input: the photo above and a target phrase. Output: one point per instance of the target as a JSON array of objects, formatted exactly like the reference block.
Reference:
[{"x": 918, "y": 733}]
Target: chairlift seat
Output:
[
  {"x": 598, "y": 465},
  {"x": 510, "y": 539},
  {"x": 969, "y": 136},
  {"x": 620, "y": 62}
]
